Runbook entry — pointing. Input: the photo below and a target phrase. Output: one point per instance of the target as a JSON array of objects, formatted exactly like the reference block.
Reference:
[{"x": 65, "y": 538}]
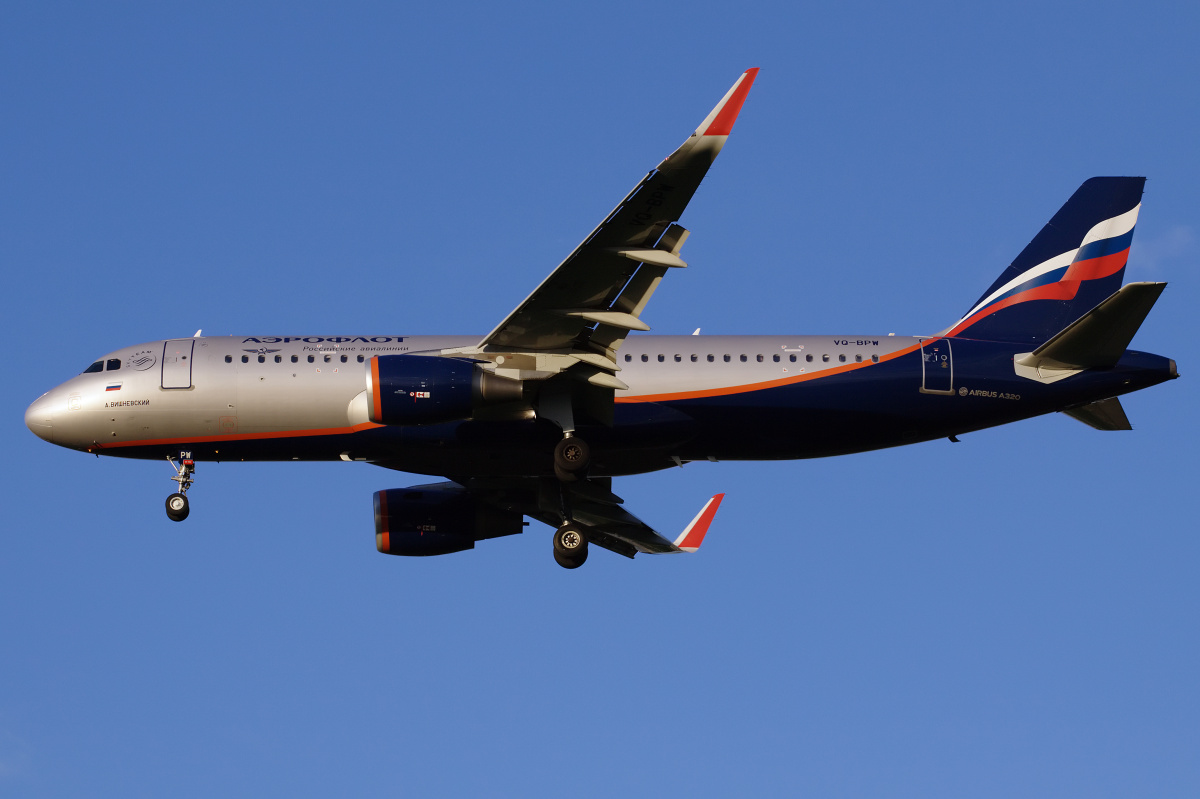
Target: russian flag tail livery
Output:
[
  {"x": 693, "y": 535},
  {"x": 1073, "y": 265}
]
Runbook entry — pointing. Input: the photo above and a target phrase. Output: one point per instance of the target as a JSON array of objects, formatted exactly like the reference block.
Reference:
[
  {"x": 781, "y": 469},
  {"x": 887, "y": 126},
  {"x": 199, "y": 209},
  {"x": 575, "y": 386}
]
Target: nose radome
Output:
[{"x": 39, "y": 419}]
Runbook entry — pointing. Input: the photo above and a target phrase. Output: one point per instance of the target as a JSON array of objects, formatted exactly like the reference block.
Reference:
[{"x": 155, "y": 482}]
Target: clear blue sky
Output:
[{"x": 1015, "y": 615}]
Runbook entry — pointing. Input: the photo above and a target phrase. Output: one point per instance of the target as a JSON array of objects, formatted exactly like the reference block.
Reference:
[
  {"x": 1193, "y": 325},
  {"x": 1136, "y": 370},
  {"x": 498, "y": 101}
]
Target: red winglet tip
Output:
[
  {"x": 693, "y": 536},
  {"x": 723, "y": 123}
]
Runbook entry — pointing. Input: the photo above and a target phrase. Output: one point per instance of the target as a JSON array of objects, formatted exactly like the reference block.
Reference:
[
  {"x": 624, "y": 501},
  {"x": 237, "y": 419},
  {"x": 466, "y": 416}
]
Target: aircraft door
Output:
[
  {"x": 177, "y": 363},
  {"x": 937, "y": 367}
]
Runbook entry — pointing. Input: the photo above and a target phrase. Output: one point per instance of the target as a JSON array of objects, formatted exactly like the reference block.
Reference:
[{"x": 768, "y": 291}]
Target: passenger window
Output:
[
  {"x": 628, "y": 358},
  {"x": 807, "y": 358},
  {"x": 113, "y": 364},
  {"x": 328, "y": 358},
  {"x": 678, "y": 358},
  {"x": 645, "y": 358},
  {"x": 758, "y": 358},
  {"x": 775, "y": 358},
  {"x": 711, "y": 359},
  {"x": 344, "y": 359},
  {"x": 278, "y": 359},
  {"x": 842, "y": 358},
  {"x": 245, "y": 359},
  {"x": 295, "y": 358},
  {"x": 360, "y": 359},
  {"x": 228, "y": 359},
  {"x": 825, "y": 358},
  {"x": 792, "y": 358},
  {"x": 695, "y": 357},
  {"x": 262, "y": 359},
  {"x": 725, "y": 358},
  {"x": 858, "y": 359},
  {"x": 874, "y": 359},
  {"x": 311, "y": 359},
  {"x": 661, "y": 358},
  {"x": 98, "y": 366},
  {"x": 742, "y": 358}
]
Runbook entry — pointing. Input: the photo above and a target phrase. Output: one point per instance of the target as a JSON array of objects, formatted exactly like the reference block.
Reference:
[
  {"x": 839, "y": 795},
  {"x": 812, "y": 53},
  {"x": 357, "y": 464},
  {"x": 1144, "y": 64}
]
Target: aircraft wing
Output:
[
  {"x": 593, "y": 507},
  {"x": 586, "y": 307}
]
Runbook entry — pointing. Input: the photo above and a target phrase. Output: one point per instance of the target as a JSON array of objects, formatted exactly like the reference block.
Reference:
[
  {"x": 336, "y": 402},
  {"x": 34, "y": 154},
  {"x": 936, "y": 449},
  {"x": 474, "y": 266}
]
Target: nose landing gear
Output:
[{"x": 177, "y": 503}]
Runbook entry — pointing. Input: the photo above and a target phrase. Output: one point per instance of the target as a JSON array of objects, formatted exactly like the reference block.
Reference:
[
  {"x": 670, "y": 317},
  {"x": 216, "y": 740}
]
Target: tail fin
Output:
[{"x": 1073, "y": 264}]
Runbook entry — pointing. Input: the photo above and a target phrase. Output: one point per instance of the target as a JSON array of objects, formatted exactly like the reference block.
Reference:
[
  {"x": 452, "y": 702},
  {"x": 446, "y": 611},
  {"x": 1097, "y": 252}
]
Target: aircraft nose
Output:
[{"x": 40, "y": 419}]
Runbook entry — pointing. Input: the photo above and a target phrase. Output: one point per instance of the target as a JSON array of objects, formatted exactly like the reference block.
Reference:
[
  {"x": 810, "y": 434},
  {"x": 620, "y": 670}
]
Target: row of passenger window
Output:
[
  {"x": 113, "y": 364},
  {"x": 296, "y": 359},
  {"x": 745, "y": 358}
]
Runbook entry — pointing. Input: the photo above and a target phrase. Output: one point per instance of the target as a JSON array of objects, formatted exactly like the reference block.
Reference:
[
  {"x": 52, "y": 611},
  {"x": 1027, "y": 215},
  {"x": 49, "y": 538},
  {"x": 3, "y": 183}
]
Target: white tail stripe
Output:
[{"x": 1108, "y": 229}]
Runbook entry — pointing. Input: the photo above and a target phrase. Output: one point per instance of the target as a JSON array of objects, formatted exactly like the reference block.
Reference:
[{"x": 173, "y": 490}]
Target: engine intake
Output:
[
  {"x": 422, "y": 389},
  {"x": 436, "y": 519}
]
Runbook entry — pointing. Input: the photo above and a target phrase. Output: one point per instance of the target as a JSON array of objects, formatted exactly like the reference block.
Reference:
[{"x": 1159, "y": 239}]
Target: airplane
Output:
[{"x": 537, "y": 417}]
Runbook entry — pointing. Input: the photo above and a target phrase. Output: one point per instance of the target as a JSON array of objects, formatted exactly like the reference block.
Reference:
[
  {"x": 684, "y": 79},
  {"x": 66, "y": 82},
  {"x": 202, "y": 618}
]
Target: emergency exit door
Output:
[
  {"x": 937, "y": 367},
  {"x": 177, "y": 363}
]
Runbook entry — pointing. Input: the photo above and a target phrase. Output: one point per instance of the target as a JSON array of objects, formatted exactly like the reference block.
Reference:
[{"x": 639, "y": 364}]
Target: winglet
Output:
[
  {"x": 720, "y": 120},
  {"x": 693, "y": 536}
]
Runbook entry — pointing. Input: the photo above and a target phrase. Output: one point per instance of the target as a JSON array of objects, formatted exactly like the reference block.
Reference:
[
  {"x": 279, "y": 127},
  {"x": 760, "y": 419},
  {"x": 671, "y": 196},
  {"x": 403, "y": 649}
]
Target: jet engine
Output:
[
  {"x": 422, "y": 389},
  {"x": 436, "y": 519}
]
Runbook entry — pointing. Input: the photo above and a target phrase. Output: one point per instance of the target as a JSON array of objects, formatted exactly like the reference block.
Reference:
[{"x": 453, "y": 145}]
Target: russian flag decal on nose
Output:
[{"x": 113, "y": 387}]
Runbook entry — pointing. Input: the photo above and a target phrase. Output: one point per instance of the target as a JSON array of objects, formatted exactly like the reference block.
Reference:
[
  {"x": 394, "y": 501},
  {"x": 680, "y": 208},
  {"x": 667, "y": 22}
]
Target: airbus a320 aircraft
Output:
[{"x": 536, "y": 417}]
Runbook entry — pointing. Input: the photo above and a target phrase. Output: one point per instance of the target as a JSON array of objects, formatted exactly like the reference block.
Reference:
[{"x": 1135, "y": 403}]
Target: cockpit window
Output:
[
  {"x": 113, "y": 364},
  {"x": 98, "y": 366}
]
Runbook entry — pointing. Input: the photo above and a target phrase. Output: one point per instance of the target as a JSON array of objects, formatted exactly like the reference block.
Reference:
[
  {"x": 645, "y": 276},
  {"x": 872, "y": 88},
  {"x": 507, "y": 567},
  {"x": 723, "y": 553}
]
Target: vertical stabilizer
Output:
[{"x": 1074, "y": 263}]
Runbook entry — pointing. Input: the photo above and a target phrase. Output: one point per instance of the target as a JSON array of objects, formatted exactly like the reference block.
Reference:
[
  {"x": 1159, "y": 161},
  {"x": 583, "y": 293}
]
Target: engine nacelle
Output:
[
  {"x": 422, "y": 389},
  {"x": 436, "y": 519}
]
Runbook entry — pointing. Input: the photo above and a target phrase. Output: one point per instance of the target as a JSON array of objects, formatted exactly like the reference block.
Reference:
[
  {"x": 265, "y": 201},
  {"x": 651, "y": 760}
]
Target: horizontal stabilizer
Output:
[
  {"x": 1102, "y": 415},
  {"x": 1098, "y": 338}
]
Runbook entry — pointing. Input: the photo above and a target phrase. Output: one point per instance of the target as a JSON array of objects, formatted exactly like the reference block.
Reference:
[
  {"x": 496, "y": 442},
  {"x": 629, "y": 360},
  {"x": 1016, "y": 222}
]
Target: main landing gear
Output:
[
  {"x": 177, "y": 503},
  {"x": 570, "y": 546},
  {"x": 572, "y": 457}
]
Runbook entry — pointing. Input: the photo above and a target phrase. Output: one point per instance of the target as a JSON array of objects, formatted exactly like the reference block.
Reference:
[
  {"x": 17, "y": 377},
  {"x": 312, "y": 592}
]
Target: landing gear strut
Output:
[
  {"x": 570, "y": 546},
  {"x": 177, "y": 503},
  {"x": 572, "y": 457}
]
